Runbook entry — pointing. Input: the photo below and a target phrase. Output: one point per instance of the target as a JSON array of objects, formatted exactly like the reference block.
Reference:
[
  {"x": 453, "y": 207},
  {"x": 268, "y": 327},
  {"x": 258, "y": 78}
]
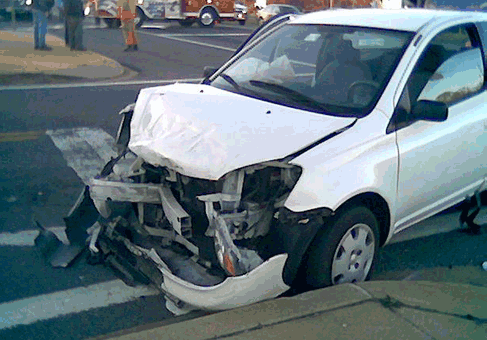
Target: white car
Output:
[{"x": 292, "y": 163}]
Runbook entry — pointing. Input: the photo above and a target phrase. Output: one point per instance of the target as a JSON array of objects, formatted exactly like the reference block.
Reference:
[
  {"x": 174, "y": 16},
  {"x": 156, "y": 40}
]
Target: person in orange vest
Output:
[{"x": 126, "y": 13}]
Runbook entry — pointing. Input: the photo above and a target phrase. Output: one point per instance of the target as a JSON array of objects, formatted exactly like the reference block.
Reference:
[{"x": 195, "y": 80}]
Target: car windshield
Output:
[{"x": 334, "y": 70}]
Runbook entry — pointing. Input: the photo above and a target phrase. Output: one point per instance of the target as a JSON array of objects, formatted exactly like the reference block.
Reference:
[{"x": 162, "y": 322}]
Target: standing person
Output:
[
  {"x": 74, "y": 12},
  {"x": 126, "y": 12},
  {"x": 40, "y": 11}
]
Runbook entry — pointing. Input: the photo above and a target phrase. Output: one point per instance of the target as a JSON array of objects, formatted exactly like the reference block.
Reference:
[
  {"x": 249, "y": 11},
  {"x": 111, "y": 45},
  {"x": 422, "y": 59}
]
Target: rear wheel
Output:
[
  {"x": 208, "y": 18},
  {"x": 344, "y": 252}
]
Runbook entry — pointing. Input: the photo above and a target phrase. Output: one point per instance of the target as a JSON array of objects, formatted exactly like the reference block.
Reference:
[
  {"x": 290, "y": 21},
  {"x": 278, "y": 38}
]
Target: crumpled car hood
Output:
[{"x": 204, "y": 132}]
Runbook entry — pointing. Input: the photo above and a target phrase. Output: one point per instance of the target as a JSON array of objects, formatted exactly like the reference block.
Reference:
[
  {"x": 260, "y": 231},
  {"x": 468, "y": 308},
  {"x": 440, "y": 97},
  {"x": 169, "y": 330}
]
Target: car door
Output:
[{"x": 442, "y": 162}]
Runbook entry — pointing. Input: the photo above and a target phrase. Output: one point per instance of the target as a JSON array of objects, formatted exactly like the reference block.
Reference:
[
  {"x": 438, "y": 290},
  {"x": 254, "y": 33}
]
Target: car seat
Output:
[{"x": 334, "y": 80}]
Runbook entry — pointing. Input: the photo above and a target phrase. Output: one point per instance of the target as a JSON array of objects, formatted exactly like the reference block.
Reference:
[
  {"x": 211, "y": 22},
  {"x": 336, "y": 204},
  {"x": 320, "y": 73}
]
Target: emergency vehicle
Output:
[{"x": 186, "y": 12}]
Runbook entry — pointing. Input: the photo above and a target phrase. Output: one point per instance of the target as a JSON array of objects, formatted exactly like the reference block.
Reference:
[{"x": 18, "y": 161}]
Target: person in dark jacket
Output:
[
  {"x": 73, "y": 9},
  {"x": 40, "y": 11}
]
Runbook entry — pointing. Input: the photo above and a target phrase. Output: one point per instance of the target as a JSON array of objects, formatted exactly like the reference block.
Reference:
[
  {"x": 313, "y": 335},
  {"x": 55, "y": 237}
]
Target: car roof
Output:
[{"x": 401, "y": 19}]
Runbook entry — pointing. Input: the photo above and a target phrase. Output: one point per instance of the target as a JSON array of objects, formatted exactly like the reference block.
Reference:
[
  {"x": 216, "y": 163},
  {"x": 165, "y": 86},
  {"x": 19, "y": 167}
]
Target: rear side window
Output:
[
  {"x": 459, "y": 76},
  {"x": 482, "y": 29},
  {"x": 450, "y": 69}
]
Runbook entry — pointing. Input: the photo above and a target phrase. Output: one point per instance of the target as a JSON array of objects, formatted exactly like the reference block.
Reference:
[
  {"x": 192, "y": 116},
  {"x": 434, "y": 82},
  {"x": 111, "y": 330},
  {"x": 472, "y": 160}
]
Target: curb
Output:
[
  {"x": 367, "y": 310},
  {"x": 18, "y": 57}
]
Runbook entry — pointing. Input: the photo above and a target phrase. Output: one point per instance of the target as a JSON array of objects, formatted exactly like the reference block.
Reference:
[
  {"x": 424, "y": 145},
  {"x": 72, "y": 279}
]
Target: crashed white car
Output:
[{"x": 291, "y": 164}]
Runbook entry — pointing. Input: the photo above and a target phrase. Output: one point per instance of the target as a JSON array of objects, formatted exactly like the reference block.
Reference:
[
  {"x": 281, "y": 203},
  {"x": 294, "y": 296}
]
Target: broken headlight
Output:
[{"x": 244, "y": 210}]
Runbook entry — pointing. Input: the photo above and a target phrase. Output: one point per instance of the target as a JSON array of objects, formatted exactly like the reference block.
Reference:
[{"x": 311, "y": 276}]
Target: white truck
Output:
[{"x": 186, "y": 12}]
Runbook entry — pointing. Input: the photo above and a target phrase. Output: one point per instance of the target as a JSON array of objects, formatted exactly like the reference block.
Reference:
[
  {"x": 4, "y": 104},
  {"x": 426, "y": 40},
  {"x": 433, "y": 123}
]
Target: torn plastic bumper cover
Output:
[{"x": 103, "y": 220}]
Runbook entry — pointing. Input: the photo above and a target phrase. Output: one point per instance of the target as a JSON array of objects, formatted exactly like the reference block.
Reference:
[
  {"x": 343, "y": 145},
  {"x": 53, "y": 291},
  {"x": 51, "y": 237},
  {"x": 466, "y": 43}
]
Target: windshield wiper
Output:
[
  {"x": 295, "y": 95},
  {"x": 231, "y": 81}
]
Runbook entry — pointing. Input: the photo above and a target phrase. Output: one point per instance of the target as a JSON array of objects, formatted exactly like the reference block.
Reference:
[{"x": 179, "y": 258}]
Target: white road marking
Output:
[
  {"x": 85, "y": 150},
  {"x": 26, "y": 238},
  {"x": 49, "y": 306},
  {"x": 100, "y": 84},
  {"x": 167, "y": 36}
]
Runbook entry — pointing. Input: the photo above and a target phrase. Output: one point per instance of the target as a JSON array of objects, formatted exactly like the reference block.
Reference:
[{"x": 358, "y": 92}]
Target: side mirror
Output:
[
  {"x": 208, "y": 71},
  {"x": 430, "y": 111}
]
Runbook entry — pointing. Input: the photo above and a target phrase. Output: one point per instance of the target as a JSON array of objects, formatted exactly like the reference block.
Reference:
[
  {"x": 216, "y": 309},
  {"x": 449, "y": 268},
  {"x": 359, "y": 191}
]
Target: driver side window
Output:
[{"x": 449, "y": 70}]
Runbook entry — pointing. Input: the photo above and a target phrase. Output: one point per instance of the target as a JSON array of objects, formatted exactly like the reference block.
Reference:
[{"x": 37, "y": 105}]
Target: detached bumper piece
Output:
[{"x": 82, "y": 216}]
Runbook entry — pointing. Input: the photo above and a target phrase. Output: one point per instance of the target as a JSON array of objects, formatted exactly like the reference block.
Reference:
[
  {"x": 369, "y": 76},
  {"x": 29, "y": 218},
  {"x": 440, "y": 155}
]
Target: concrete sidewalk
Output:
[
  {"x": 18, "y": 57},
  {"x": 370, "y": 310}
]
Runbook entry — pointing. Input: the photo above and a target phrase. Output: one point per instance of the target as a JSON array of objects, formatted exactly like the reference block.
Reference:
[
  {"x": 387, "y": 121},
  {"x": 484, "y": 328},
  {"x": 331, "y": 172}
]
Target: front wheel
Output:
[
  {"x": 208, "y": 18},
  {"x": 345, "y": 251}
]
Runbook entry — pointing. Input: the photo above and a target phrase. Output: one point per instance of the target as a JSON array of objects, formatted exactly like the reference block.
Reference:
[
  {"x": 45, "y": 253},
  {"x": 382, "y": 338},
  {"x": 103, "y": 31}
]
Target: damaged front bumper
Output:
[
  {"x": 111, "y": 219},
  {"x": 193, "y": 287},
  {"x": 264, "y": 282}
]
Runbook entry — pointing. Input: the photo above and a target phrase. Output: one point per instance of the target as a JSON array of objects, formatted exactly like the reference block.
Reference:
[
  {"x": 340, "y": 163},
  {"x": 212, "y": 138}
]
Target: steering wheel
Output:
[{"x": 362, "y": 91}]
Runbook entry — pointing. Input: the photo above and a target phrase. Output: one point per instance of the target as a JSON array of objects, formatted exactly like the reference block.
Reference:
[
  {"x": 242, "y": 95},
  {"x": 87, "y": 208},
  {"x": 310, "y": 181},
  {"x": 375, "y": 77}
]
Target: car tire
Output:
[
  {"x": 140, "y": 18},
  {"x": 186, "y": 23},
  {"x": 241, "y": 22},
  {"x": 345, "y": 251},
  {"x": 208, "y": 17}
]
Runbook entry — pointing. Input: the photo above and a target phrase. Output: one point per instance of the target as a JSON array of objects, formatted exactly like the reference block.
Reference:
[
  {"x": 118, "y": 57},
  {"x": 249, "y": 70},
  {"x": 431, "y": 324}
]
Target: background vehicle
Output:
[
  {"x": 186, "y": 12},
  {"x": 269, "y": 11}
]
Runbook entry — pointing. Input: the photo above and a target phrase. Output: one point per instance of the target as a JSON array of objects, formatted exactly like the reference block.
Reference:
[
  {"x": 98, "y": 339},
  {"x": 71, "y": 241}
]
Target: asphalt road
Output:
[
  {"x": 36, "y": 182},
  {"x": 166, "y": 50}
]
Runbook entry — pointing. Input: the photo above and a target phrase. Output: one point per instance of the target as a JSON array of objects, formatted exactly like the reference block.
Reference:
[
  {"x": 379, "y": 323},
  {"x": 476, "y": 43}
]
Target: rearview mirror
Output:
[{"x": 430, "y": 111}]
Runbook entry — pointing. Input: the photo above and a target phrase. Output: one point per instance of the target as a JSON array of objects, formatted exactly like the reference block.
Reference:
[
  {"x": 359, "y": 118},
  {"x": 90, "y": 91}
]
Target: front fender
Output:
[{"x": 347, "y": 165}]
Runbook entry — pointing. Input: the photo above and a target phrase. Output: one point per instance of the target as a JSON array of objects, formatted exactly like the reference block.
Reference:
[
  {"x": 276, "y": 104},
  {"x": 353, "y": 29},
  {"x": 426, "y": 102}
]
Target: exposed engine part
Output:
[
  {"x": 232, "y": 186},
  {"x": 101, "y": 191},
  {"x": 94, "y": 232}
]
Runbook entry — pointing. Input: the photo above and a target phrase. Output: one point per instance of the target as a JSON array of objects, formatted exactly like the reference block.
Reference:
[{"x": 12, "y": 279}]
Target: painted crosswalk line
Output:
[{"x": 49, "y": 306}]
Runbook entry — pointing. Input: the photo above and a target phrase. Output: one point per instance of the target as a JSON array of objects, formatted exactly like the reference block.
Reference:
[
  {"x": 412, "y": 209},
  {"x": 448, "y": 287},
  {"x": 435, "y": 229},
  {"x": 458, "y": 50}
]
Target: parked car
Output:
[
  {"x": 270, "y": 11},
  {"x": 289, "y": 166}
]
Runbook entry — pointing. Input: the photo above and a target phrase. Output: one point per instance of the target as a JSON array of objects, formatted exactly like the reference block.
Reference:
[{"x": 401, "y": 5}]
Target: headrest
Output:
[
  {"x": 346, "y": 52},
  {"x": 432, "y": 58}
]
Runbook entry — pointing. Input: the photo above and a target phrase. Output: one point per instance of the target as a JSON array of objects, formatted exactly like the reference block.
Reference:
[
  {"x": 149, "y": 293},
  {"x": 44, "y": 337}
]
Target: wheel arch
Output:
[
  {"x": 378, "y": 206},
  {"x": 212, "y": 7}
]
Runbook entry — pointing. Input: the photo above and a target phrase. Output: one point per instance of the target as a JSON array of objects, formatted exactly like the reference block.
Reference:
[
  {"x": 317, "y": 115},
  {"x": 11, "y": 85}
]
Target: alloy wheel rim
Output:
[
  {"x": 354, "y": 255},
  {"x": 206, "y": 18}
]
